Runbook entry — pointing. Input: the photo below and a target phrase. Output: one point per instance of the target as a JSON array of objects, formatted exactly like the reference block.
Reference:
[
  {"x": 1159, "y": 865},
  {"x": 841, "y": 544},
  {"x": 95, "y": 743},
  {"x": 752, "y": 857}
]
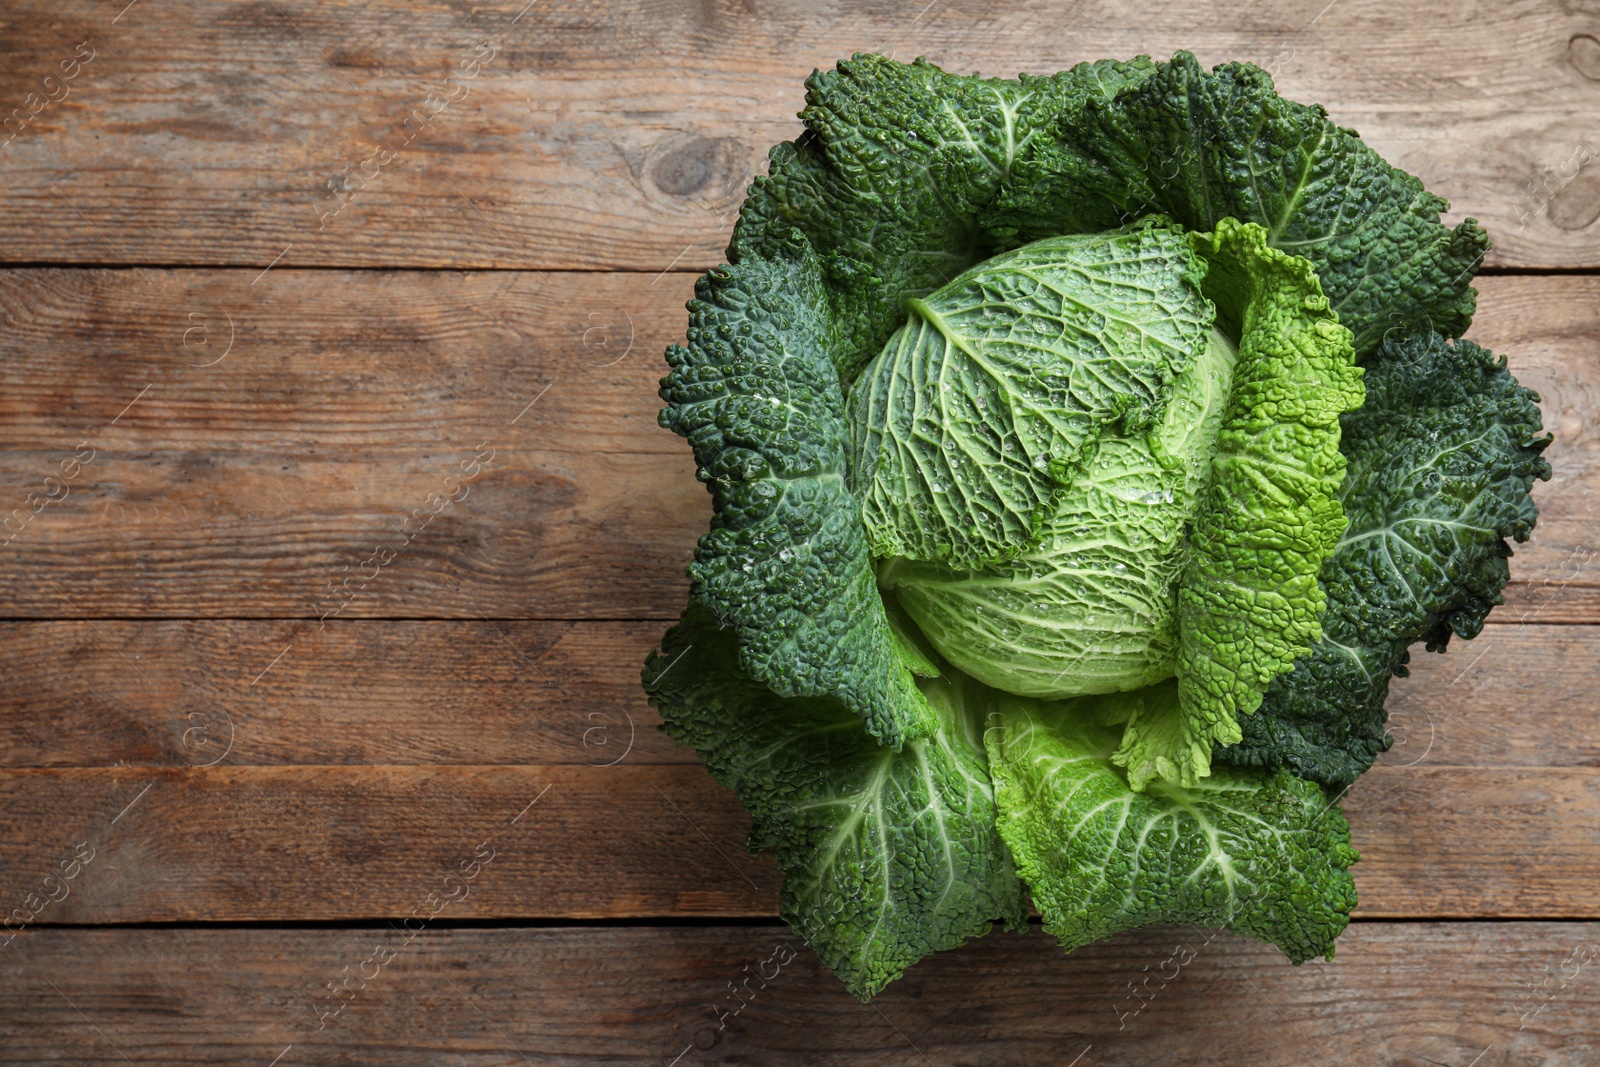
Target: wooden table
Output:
[{"x": 259, "y": 346}]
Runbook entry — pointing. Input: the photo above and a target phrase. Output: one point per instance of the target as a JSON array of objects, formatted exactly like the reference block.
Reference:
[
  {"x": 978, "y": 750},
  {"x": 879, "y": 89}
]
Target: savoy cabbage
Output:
[{"x": 1086, "y": 453}]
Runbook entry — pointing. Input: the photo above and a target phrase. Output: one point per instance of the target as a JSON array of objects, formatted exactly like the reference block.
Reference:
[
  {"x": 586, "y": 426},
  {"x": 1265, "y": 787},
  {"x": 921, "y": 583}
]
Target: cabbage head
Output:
[{"x": 1086, "y": 453}]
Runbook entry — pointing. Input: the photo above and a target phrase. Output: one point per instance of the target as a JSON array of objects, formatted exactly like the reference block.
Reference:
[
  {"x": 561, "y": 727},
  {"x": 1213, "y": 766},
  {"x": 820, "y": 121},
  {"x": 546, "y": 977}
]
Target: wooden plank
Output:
[
  {"x": 348, "y": 360},
  {"x": 358, "y": 843},
  {"x": 1547, "y": 330},
  {"x": 343, "y": 406},
  {"x": 1551, "y": 600},
  {"x": 1475, "y": 842},
  {"x": 573, "y": 144},
  {"x": 652, "y": 841},
  {"x": 1518, "y": 695},
  {"x": 274, "y": 533},
  {"x": 260, "y": 693},
  {"x": 394, "y": 692},
  {"x": 1401, "y": 993}
]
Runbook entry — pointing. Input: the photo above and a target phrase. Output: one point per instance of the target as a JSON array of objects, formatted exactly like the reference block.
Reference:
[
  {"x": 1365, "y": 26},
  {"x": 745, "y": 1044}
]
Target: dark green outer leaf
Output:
[
  {"x": 1202, "y": 146},
  {"x": 888, "y": 179},
  {"x": 785, "y": 563},
  {"x": 886, "y": 856}
]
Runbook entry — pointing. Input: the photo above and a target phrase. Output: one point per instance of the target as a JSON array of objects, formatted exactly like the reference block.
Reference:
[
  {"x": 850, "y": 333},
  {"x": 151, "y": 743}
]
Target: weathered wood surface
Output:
[
  {"x": 245, "y": 487},
  {"x": 643, "y": 841},
  {"x": 350, "y": 360},
  {"x": 1497, "y": 994},
  {"x": 291, "y": 534},
  {"x": 260, "y": 693},
  {"x": 621, "y": 136}
]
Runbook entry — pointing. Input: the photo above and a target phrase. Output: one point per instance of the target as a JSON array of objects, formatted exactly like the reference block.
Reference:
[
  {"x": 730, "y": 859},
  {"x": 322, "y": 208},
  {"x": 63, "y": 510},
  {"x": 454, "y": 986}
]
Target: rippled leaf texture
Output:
[
  {"x": 1264, "y": 855},
  {"x": 1248, "y": 601},
  {"x": 1090, "y": 608},
  {"x": 785, "y": 563},
  {"x": 971, "y": 422},
  {"x": 1203, "y": 146},
  {"x": 888, "y": 179},
  {"x": 886, "y": 856},
  {"x": 1441, "y": 459}
]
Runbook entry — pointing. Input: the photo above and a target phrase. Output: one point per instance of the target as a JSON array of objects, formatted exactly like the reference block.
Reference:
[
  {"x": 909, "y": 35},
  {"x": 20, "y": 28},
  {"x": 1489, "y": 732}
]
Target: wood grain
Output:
[
  {"x": 342, "y": 843},
  {"x": 1397, "y": 993},
  {"x": 351, "y": 843},
  {"x": 267, "y": 533},
  {"x": 244, "y": 487},
  {"x": 196, "y": 692},
  {"x": 348, "y": 360},
  {"x": 1550, "y": 600},
  {"x": 1518, "y": 695},
  {"x": 185, "y": 693},
  {"x": 622, "y": 137}
]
